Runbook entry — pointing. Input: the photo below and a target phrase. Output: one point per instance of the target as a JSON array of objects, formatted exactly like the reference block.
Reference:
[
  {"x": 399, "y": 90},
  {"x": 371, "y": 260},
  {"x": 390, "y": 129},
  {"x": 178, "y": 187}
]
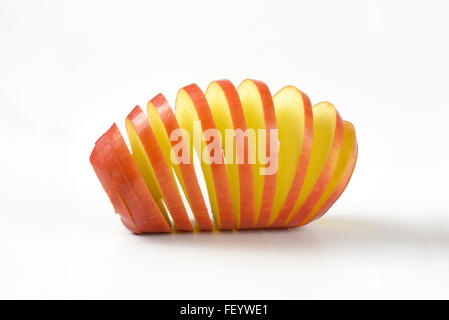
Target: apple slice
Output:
[
  {"x": 191, "y": 105},
  {"x": 151, "y": 163},
  {"x": 340, "y": 178},
  {"x": 164, "y": 123},
  {"x": 97, "y": 160},
  {"x": 294, "y": 118},
  {"x": 327, "y": 141},
  {"x": 258, "y": 110},
  {"x": 228, "y": 116},
  {"x": 130, "y": 184},
  {"x": 148, "y": 176}
]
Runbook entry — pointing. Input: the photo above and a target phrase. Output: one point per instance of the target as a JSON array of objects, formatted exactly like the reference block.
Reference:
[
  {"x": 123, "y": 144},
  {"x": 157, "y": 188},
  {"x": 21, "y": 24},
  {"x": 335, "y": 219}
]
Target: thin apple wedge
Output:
[
  {"x": 193, "y": 114},
  {"x": 294, "y": 117},
  {"x": 326, "y": 146},
  {"x": 129, "y": 183},
  {"x": 260, "y": 117},
  {"x": 341, "y": 176},
  {"x": 228, "y": 116},
  {"x": 97, "y": 159},
  {"x": 164, "y": 124},
  {"x": 153, "y": 167}
]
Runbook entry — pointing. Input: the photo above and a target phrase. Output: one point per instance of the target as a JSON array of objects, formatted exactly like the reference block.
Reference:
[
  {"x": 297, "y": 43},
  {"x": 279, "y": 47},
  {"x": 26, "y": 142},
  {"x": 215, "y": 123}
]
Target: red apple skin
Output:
[
  {"x": 245, "y": 169},
  {"x": 192, "y": 187},
  {"x": 102, "y": 172},
  {"x": 269, "y": 186},
  {"x": 303, "y": 165},
  {"x": 324, "y": 178},
  {"x": 130, "y": 184},
  {"x": 218, "y": 169},
  {"x": 338, "y": 191},
  {"x": 169, "y": 190}
]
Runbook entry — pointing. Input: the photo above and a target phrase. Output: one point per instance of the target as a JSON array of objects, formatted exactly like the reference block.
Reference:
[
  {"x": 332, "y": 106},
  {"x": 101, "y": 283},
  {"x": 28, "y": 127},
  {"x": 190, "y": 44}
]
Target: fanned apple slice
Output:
[
  {"x": 340, "y": 178},
  {"x": 228, "y": 116},
  {"x": 327, "y": 141},
  {"x": 294, "y": 118},
  {"x": 191, "y": 106},
  {"x": 149, "y": 177},
  {"x": 259, "y": 113},
  {"x": 130, "y": 184},
  {"x": 151, "y": 162},
  {"x": 164, "y": 123},
  {"x": 97, "y": 160}
]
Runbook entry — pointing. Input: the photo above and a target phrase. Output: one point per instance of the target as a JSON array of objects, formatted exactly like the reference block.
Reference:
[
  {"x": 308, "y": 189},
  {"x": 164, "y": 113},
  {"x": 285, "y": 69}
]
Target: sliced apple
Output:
[
  {"x": 130, "y": 184},
  {"x": 294, "y": 119},
  {"x": 163, "y": 122},
  {"x": 191, "y": 105},
  {"x": 97, "y": 160},
  {"x": 327, "y": 141},
  {"x": 151, "y": 162},
  {"x": 228, "y": 116},
  {"x": 259, "y": 114},
  {"x": 340, "y": 178},
  {"x": 273, "y": 162}
]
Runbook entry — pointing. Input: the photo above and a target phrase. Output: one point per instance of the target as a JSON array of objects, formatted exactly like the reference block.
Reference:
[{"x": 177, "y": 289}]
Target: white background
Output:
[{"x": 69, "y": 69}]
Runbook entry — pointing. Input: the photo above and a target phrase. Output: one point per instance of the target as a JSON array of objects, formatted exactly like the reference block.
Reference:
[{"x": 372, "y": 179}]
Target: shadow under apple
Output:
[{"x": 330, "y": 232}]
